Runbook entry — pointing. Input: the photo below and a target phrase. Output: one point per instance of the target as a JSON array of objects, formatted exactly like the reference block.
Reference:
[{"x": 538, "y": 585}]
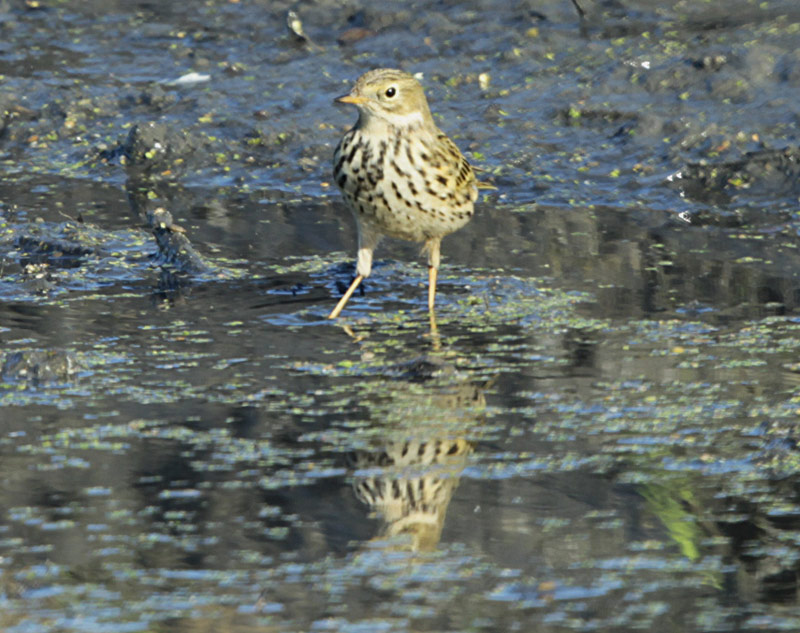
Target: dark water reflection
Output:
[{"x": 200, "y": 459}]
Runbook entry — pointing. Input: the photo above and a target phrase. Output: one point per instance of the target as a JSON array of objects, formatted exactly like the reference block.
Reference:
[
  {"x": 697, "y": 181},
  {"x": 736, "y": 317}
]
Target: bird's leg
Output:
[
  {"x": 437, "y": 341},
  {"x": 431, "y": 288},
  {"x": 435, "y": 338},
  {"x": 433, "y": 247},
  {"x": 368, "y": 239},
  {"x": 346, "y": 297}
]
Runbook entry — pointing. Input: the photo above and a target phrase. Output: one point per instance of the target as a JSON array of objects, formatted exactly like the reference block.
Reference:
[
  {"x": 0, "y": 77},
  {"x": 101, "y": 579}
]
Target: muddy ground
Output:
[{"x": 602, "y": 434}]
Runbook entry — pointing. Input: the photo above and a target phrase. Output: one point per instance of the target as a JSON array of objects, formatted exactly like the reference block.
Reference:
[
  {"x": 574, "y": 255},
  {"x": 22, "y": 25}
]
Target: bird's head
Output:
[{"x": 393, "y": 96}]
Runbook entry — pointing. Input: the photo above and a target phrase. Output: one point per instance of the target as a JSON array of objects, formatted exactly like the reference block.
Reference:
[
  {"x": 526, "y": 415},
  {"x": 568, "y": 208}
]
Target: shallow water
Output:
[{"x": 599, "y": 436}]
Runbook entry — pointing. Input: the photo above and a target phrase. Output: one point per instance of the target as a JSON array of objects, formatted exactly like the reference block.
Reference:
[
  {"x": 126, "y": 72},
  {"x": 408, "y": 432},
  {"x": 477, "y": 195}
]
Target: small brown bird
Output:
[{"x": 400, "y": 174}]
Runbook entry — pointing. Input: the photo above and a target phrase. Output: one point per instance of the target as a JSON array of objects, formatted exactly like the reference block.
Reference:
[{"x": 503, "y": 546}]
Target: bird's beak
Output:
[{"x": 351, "y": 98}]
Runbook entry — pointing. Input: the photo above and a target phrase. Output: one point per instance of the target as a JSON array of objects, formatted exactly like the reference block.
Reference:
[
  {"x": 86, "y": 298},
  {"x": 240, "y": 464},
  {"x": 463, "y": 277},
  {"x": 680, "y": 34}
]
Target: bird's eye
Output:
[{"x": 390, "y": 92}]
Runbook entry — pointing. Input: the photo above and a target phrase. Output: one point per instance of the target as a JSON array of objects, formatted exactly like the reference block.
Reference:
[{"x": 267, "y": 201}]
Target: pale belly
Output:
[{"x": 394, "y": 218}]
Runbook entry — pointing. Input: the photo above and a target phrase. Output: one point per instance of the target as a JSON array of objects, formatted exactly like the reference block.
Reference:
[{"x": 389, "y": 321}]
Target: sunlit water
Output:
[{"x": 600, "y": 435}]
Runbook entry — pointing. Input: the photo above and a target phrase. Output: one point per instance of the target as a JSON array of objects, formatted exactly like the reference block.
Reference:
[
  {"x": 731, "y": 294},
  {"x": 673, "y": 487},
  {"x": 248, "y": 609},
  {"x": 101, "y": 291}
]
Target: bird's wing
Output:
[{"x": 455, "y": 168}]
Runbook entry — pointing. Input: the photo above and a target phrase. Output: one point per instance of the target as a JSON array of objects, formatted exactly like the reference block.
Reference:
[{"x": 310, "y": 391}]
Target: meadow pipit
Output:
[{"x": 400, "y": 175}]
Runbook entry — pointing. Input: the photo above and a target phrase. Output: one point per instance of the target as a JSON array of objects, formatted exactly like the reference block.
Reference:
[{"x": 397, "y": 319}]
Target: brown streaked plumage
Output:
[
  {"x": 399, "y": 173},
  {"x": 410, "y": 484}
]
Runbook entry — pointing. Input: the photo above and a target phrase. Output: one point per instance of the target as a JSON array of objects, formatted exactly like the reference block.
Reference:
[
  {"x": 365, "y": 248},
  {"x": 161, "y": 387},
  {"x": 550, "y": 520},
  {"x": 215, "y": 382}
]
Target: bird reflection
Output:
[{"x": 408, "y": 476}]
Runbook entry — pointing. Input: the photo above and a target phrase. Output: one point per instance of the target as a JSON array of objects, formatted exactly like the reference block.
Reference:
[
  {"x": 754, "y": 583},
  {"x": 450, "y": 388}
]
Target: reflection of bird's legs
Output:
[{"x": 346, "y": 297}]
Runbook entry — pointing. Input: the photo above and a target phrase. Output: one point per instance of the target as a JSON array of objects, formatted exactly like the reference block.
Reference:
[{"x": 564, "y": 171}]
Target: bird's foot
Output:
[
  {"x": 346, "y": 297},
  {"x": 341, "y": 287}
]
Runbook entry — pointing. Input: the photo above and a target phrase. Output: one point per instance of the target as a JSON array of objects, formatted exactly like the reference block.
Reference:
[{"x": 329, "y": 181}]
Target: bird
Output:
[{"x": 400, "y": 175}]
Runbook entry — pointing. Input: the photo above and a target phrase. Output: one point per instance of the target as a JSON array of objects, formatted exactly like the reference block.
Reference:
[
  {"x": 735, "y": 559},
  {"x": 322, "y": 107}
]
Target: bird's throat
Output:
[{"x": 391, "y": 124}]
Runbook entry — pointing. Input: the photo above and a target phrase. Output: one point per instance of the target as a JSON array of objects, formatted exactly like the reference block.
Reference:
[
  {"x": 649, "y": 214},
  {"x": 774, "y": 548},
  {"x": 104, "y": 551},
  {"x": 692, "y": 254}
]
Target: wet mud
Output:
[{"x": 601, "y": 432}]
